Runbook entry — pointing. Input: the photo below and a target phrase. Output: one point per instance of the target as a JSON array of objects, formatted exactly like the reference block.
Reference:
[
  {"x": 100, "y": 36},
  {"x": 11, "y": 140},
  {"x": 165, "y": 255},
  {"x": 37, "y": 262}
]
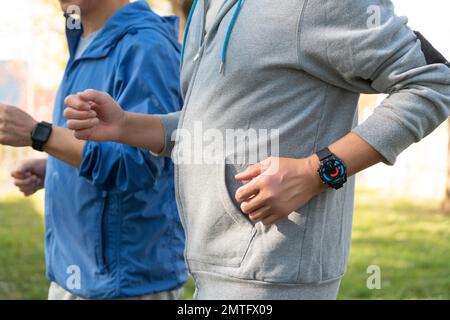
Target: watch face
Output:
[
  {"x": 333, "y": 172},
  {"x": 42, "y": 133}
]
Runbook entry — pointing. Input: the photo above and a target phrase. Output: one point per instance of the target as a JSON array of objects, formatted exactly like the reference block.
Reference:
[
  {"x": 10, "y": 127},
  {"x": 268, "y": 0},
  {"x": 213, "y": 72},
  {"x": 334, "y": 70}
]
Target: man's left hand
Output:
[
  {"x": 278, "y": 187},
  {"x": 15, "y": 126}
]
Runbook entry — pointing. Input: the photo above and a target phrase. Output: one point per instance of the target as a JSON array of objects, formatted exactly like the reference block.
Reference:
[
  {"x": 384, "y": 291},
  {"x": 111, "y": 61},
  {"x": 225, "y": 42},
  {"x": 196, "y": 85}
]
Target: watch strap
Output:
[{"x": 324, "y": 154}]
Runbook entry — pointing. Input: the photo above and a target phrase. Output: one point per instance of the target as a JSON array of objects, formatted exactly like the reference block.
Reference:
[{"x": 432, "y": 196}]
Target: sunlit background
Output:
[{"x": 400, "y": 223}]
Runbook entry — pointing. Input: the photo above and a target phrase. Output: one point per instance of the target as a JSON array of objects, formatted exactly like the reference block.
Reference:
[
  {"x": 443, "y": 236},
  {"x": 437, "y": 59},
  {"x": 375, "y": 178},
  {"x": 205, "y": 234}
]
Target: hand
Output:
[
  {"x": 278, "y": 187},
  {"x": 94, "y": 115},
  {"x": 29, "y": 175},
  {"x": 15, "y": 126}
]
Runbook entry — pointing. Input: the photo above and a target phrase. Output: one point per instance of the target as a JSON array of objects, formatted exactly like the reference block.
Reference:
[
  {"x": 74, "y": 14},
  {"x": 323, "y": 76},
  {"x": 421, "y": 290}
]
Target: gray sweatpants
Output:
[{"x": 56, "y": 292}]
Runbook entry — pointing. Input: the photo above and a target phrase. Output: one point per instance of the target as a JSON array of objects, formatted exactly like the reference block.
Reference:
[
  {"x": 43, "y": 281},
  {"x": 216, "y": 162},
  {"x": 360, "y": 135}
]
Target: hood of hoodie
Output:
[{"x": 128, "y": 20}]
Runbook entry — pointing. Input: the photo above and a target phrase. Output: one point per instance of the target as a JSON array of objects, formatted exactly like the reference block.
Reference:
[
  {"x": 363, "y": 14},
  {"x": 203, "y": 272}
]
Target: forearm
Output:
[
  {"x": 291, "y": 183},
  {"x": 64, "y": 146},
  {"x": 142, "y": 131},
  {"x": 356, "y": 153}
]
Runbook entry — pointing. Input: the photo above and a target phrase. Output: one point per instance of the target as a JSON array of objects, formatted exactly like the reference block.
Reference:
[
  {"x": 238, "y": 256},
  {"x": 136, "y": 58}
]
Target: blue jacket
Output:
[{"x": 113, "y": 221}]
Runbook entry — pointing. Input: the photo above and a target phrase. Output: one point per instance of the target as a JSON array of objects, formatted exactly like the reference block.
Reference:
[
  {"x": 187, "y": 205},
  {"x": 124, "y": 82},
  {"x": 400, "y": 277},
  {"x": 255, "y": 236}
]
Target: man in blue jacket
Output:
[{"x": 112, "y": 227}]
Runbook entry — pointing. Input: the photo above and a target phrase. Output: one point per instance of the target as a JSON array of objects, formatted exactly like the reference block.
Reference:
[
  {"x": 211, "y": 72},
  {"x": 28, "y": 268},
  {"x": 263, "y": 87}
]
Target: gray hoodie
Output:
[{"x": 297, "y": 66}]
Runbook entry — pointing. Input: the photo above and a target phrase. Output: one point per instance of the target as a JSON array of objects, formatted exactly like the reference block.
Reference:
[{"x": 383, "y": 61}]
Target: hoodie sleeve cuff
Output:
[
  {"x": 386, "y": 134},
  {"x": 170, "y": 124}
]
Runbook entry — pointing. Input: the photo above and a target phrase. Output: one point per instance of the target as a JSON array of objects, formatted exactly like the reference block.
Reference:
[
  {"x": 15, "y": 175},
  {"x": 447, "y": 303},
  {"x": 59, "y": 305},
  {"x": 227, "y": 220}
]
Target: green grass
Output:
[
  {"x": 409, "y": 241},
  {"x": 22, "y": 264}
]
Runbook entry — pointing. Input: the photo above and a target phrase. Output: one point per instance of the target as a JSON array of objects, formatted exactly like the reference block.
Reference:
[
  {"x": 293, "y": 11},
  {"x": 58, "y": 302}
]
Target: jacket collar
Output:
[{"x": 128, "y": 19}]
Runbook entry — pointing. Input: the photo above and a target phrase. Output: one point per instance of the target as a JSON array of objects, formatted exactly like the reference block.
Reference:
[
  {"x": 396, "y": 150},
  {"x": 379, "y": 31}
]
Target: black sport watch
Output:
[
  {"x": 40, "y": 135},
  {"x": 332, "y": 171}
]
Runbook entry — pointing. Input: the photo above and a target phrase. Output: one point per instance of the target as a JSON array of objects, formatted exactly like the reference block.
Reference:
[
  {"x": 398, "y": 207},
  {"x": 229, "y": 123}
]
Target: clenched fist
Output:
[
  {"x": 94, "y": 116},
  {"x": 29, "y": 175},
  {"x": 15, "y": 126}
]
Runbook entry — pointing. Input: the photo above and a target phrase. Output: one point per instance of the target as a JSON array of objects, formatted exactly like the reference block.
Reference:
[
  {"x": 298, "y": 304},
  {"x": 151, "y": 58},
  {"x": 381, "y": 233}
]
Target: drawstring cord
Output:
[
  {"x": 186, "y": 30},
  {"x": 227, "y": 36}
]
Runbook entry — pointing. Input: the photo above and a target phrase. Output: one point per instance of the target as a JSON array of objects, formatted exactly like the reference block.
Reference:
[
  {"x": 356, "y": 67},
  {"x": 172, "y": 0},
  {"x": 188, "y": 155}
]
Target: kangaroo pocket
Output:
[
  {"x": 218, "y": 232},
  {"x": 306, "y": 247}
]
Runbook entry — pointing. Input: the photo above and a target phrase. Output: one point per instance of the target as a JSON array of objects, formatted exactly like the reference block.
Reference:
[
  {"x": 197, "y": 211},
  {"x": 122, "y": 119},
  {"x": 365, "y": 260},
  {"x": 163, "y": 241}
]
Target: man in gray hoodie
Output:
[{"x": 281, "y": 228}]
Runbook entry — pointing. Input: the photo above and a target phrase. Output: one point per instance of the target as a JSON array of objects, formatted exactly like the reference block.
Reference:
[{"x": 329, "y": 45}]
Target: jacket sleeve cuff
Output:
[
  {"x": 386, "y": 134},
  {"x": 88, "y": 159},
  {"x": 170, "y": 124}
]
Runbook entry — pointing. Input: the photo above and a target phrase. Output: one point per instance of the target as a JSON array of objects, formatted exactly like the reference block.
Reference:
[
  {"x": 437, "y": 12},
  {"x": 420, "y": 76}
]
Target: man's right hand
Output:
[
  {"x": 29, "y": 175},
  {"x": 94, "y": 116}
]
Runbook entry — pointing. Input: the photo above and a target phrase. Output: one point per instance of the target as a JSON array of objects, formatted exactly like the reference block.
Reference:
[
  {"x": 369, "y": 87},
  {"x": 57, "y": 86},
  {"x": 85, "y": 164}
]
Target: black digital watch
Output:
[
  {"x": 332, "y": 170},
  {"x": 40, "y": 135}
]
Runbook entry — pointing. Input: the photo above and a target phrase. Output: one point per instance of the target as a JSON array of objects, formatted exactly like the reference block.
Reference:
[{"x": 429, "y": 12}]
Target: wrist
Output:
[
  {"x": 123, "y": 125},
  {"x": 33, "y": 125},
  {"x": 313, "y": 165}
]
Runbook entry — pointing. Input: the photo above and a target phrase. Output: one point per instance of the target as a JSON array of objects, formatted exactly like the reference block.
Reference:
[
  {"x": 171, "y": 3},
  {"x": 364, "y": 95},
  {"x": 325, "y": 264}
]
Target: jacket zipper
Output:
[{"x": 197, "y": 60}]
